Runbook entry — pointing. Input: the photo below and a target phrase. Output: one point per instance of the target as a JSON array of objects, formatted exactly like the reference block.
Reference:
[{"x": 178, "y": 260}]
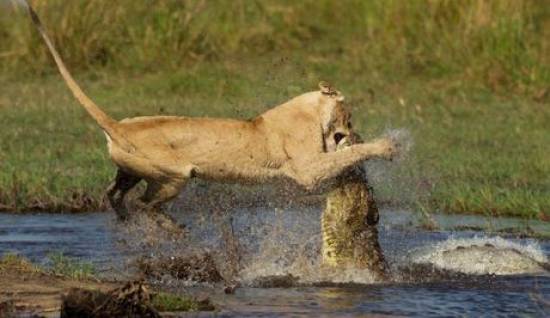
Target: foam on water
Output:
[
  {"x": 482, "y": 255},
  {"x": 308, "y": 273},
  {"x": 304, "y": 263}
]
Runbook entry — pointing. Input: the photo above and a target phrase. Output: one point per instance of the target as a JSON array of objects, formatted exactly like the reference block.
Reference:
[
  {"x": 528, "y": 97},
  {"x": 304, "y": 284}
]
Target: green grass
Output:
[
  {"x": 165, "y": 302},
  {"x": 474, "y": 151},
  {"x": 501, "y": 43},
  {"x": 58, "y": 264},
  {"x": 10, "y": 263},
  {"x": 63, "y": 265},
  {"x": 470, "y": 81}
]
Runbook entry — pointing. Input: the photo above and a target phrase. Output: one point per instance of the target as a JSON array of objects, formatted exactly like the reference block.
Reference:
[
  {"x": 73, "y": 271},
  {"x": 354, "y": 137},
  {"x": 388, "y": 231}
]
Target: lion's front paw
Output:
[{"x": 389, "y": 148}]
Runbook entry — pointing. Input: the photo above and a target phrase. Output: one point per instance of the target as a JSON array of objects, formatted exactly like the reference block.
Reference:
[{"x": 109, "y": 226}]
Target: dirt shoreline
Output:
[
  {"x": 41, "y": 293},
  {"x": 27, "y": 290}
]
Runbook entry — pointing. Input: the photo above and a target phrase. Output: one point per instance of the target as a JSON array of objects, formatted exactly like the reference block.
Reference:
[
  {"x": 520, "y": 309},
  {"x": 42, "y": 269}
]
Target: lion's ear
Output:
[{"x": 326, "y": 88}]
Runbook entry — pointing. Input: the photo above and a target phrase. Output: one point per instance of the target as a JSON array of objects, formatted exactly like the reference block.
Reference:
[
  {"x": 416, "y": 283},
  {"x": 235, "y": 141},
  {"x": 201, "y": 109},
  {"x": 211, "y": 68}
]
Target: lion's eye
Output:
[{"x": 349, "y": 124}]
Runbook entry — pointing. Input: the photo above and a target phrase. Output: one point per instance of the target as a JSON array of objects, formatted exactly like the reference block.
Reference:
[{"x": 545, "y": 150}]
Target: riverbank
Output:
[{"x": 28, "y": 290}]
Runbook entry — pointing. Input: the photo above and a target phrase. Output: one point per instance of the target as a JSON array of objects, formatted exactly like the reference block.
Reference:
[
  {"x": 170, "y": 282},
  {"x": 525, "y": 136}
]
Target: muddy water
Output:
[{"x": 498, "y": 273}]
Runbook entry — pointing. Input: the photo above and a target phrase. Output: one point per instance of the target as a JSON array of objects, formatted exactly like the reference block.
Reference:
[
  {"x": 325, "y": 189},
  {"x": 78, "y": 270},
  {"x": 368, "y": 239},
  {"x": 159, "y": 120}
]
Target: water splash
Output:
[
  {"x": 305, "y": 263},
  {"x": 287, "y": 243},
  {"x": 400, "y": 182},
  {"x": 270, "y": 243},
  {"x": 483, "y": 255},
  {"x": 403, "y": 139}
]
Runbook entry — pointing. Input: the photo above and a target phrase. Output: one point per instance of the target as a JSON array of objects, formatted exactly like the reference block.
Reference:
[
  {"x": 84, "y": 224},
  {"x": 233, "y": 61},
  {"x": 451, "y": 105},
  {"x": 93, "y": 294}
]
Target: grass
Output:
[
  {"x": 165, "y": 302},
  {"x": 500, "y": 43},
  {"x": 63, "y": 265},
  {"x": 470, "y": 81},
  {"x": 13, "y": 263},
  {"x": 58, "y": 264}
]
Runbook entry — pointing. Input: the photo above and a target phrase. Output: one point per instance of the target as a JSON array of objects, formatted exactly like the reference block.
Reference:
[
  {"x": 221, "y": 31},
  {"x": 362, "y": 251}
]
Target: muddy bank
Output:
[
  {"x": 77, "y": 202},
  {"x": 27, "y": 290}
]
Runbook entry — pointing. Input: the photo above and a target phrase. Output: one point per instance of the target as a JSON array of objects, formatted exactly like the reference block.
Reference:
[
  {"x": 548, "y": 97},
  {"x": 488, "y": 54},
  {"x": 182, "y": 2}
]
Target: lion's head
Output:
[{"x": 336, "y": 117}]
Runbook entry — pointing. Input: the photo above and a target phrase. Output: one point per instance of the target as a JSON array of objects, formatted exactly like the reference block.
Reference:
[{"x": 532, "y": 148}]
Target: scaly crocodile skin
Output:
[{"x": 350, "y": 235}]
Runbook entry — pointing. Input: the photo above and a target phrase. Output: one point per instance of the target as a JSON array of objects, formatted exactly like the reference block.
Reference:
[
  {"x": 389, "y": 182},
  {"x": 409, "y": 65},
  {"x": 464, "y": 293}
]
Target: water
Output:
[
  {"x": 277, "y": 242},
  {"x": 84, "y": 236}
]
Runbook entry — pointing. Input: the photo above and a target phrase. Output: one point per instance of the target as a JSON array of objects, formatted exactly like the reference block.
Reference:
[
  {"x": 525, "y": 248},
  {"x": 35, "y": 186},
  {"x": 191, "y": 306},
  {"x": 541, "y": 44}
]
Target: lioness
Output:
[{"x": 289, "y": 141}]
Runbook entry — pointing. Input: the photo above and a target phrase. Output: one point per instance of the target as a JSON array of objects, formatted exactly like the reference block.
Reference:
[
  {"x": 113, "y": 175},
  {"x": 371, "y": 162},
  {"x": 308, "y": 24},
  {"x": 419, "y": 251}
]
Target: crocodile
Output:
[{"x": 349, "y": 222}]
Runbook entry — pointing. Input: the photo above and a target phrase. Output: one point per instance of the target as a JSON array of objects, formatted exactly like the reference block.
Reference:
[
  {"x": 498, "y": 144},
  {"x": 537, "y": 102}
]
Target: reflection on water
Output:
[
  {"x": 506, "y": 296},
  {"x": 35, "y": 236},
  {"x": 276, "y": 242}
]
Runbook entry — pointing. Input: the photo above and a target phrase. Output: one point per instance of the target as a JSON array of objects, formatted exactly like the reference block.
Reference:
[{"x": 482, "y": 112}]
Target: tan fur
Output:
[{"x": 289, "y": 141}]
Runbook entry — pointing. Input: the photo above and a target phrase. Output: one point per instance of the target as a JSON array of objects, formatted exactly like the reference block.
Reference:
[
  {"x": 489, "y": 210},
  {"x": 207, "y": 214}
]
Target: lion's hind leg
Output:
[
  {"x": 155, "y": 196},
  {"x": 158, "y": 193},
  {"x": 116, "y": 192}
]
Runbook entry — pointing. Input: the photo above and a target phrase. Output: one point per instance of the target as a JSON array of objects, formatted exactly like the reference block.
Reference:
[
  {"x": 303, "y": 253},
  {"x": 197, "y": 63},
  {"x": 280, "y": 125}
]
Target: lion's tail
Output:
[{"x": 107, "y": 123}]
